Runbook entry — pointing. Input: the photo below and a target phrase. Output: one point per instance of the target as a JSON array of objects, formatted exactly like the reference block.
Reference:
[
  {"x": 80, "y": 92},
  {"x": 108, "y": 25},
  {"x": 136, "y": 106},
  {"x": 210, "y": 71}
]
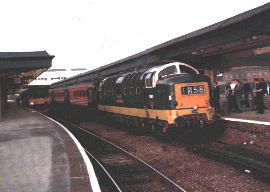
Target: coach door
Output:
[
  {"x": 66, "y": 97},
  {"x": 92, "y": 103}
]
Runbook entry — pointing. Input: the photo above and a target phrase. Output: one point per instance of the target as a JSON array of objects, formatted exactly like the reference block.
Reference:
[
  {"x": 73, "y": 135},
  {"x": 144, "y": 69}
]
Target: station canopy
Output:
[{"x": 18, "y": 69}]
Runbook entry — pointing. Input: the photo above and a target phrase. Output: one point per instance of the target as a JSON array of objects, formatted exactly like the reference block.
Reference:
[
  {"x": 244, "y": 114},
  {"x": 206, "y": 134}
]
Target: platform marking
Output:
[
  {"x": 246, "y": 121},
  {"x": 92, "y": 176}
]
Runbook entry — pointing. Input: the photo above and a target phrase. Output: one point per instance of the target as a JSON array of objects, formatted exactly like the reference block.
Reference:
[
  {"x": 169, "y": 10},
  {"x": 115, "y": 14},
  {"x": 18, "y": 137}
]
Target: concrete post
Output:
[{"x": 212, "y": 74}]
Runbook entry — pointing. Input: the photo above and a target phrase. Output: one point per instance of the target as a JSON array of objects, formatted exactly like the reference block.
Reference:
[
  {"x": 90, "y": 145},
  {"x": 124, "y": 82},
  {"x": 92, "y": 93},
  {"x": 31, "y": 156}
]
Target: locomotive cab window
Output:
[
  {"x": 168, "y": 71},
  {"x": 119, "y": 80},
  {"x": 187, "y": 70},
  {"x": 149, "y": 80}
]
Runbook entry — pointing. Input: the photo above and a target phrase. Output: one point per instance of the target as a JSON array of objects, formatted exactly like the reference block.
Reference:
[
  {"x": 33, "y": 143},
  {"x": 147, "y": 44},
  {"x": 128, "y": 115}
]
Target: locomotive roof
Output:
[
  {"x": 150, "y": 76},
  {"x": 84, "y": 84},
  {"x": 161, "y": 67},
  {"x": 183, "y": 78},
  {"x": 154, "y": 74}
]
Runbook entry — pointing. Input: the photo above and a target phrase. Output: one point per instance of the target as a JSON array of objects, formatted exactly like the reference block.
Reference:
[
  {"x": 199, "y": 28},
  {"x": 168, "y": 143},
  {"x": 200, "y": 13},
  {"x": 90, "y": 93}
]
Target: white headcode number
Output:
[{"x": 189, "y": 90}]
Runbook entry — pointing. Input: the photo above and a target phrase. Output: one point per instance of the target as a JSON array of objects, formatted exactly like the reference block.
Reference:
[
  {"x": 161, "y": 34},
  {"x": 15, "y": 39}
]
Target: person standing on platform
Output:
[
  {"x": 216, "y": 97},
  {"x": 253, "y": 96},
  {"x": 234, "y": 106},
  {"x": 259, "y": 96},
  {"x": 238, "y": 91},
  {"x": 264, "y": 91},
  {"x": 247, "y": 90},
  {"x": 229, "y": 97}
]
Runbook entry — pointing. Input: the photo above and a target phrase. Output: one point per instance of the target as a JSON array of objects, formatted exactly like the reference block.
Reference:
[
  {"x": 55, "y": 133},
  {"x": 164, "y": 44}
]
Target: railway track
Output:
[
  {"x": 252, "y": 161},
  {"x": 128, "y": 177},
  {"x": 127, "y": 172}
]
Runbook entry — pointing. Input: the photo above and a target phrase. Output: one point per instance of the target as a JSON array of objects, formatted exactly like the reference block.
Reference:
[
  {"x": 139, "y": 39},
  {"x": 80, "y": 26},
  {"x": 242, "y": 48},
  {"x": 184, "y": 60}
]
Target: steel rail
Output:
[{"x": 162, "y": 175}]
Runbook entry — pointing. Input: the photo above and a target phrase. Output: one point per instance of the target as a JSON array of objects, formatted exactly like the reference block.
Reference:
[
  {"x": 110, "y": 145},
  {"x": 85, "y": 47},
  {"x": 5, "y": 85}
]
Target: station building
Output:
[
  {"x": 54, "y": 75},
  {"x": 242, "y": 73}
]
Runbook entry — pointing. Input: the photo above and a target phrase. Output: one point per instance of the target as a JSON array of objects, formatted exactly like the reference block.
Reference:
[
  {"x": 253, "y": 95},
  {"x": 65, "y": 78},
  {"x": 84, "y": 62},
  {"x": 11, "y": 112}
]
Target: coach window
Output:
[
  {"x": 137, "y": 90},
  {"x": 118, "y": 91},
  {"x": 83, "y": 93},
  {"x": 74, "y": 93},
  {"x": 125, "y": 91},
  {"x": 131, "y": 90}
]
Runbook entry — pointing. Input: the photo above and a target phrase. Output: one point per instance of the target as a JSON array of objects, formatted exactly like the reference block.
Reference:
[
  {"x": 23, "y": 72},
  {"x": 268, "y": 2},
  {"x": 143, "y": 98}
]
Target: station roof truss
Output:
[
  {"x": 242, "y": 40},
  {"x": 18, "y": 69}
]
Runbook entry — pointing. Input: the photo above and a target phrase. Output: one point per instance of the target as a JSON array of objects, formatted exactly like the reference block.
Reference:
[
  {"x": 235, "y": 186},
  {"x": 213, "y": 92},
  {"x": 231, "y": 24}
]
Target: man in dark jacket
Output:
[
  {"x": 238, "y": 90},
  {"x": 259, "y": 96},
  {"x": 264, "y": 91},
  {"x": 216, "y": 97}
]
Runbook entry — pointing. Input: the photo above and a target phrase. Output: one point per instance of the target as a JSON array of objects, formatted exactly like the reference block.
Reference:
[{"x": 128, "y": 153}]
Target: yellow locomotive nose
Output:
[{"x": 192, "y": 95}]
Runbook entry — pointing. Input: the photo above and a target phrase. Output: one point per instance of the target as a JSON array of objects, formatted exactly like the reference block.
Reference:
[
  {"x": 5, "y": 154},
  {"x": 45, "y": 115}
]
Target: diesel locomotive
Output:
[{"x": 160, "y": 98}]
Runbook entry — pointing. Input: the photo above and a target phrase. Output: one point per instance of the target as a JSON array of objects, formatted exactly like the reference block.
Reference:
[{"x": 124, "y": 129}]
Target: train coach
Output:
[
  {"x": 160, "y": 98},
  {"x": 36, "y": 97}
]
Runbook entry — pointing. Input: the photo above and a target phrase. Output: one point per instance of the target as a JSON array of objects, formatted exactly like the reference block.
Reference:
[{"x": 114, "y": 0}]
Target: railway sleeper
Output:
[
  {"x": 131, "y": 179},
  {"x": 135, "y": 167},
  {"x": 101, "y": 152},
  {"x": 138, "y": 177}
]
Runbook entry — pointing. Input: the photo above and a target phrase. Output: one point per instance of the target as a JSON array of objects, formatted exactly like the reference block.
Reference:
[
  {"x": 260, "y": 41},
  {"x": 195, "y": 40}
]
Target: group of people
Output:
[{"x": 234, "y": 92}]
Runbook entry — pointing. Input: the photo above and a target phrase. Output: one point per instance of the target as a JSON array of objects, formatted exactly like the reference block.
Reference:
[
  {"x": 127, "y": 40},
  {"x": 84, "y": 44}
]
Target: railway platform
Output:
[
  {"x": 38, "y": 154},
  {"x": 248, "y": 115}
]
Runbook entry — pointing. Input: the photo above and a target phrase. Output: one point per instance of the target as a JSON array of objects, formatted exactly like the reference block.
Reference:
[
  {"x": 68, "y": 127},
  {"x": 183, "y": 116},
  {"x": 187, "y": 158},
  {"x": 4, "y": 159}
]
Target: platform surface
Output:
[
  {"x": 248, "y": 115},
  {"x": 37, "y": 154}
]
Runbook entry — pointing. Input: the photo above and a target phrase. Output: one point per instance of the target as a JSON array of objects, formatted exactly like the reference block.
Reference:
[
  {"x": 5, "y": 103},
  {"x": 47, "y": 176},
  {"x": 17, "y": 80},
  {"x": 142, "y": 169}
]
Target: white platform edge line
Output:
[
  {"x": 246, "y": 121},
  {"x": 93, "y": 179}
]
